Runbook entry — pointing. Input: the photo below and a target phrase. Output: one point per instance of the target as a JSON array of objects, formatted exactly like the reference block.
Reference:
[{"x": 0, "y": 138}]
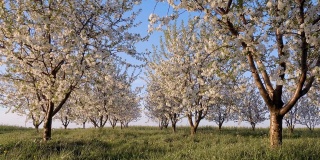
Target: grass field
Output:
[{"x": 152, "y": 143}]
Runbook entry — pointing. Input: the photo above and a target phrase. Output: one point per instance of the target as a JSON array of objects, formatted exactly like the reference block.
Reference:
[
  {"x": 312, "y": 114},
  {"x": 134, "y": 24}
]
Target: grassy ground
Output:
[{"x": 152, "y": 143}]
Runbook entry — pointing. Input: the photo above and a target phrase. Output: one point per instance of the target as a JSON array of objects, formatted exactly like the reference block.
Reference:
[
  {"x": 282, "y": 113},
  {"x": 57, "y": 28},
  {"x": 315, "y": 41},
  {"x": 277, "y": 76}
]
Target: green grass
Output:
[{"x": 152, "y": 143}]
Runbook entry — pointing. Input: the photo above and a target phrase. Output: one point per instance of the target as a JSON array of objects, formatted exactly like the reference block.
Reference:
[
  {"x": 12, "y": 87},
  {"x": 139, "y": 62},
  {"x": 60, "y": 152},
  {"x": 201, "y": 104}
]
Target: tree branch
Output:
[
  {"x": 265, "y": 77},
  {"x": 229, "y": 5},
  {"x": 67, "y": 95},
  {"x": 304, "y": 68},
  {"x": 316, "y": 20},
  {"x": 257, "y": 79}
]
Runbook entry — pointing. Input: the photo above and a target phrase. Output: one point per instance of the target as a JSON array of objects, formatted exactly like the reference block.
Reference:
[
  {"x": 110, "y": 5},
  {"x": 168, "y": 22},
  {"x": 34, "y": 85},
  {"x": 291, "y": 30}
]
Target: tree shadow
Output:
[{"x": 260, "y": 132}]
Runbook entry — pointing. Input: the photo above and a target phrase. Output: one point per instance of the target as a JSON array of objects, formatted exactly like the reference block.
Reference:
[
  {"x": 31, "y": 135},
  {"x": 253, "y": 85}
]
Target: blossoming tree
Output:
[
  {"x": 189, "y": 74},
  {"x": 160, "y": 106},
  {"x": 251, "y": 107},
  {"x": 309, "y": 111},
  {"x": 58, "y": 43},
  {"x": 291, "y": 118},
  {"x": 278, "y": 41}
]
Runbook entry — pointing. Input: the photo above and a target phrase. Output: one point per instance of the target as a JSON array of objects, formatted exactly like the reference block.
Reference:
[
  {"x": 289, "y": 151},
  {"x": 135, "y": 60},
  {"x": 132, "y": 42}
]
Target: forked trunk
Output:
[
  {"x": 166, "y": 125},
  {"x": 37, "y": 128},
  {"x": 291, "y": 128},
  {"x": 193, "y": 130},
  {"x": 174, "y": 120},
  {"x": 113, "y": 123},
  {"x": 36, "y": 125},
  {"x": 275, "y": 129},
  {"x": 65, "y": 122},
  {"x": 193, "y": 126}
]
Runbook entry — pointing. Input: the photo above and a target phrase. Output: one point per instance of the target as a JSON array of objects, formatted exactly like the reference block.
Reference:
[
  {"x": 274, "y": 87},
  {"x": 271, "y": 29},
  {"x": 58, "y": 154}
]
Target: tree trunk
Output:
[
  {"x": 83, "y": 125},
  {"x": 36, "y": 124},
  {"x": 113, "y": 123},
  {"x": 253, "y": 125},
  {"x": 37, "y": 128},
  {"x": 193, "y": 126},
  {"x": 47, "y": 126},
  {"x": 220, "y": 126},
  {"x": 94, "y": 122},
  {"x": 101, "y": 122},
  {"x": 193, "y": 130},
  {"x": 290, "y": 124},
  {"x": 291, "y": 128},
  {"x": 160, "y": 125},
  {"x": 174, "y": 127},
  {"x": 275, "y": 129},
  {"x": 65, "y": 122},
  {"x": 166, "y": 125},
  {"x": 173, "y": 118}
]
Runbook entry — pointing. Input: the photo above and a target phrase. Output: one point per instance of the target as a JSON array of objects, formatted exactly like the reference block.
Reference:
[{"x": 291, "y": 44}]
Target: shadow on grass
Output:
[
  {"x": 58, "y": 149},
  {"x": 260, "y": 132},
  {"x": 81, "y": 149},
  {"x": 9, "y": 129}
]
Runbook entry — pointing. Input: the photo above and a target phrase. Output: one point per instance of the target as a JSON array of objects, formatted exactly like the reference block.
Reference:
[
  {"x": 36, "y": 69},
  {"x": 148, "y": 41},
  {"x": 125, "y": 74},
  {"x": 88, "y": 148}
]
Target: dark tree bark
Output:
[
  {"x": 253, "y": 125},
  {"x": 124, "y": 124},
  {"x": 273, "y": 96},
  {"x": 291, "y": 128},
  {"x": 174, "y": 121},
  {"x": 174, "y": 128},
  {"x": 290, "y": 125},
  {"x": 113, "y": 122},
  {"x": 163, "y": 123},
  {"x": 220, "y": 126},
  {"x": 37, "y": 128},
  {"x": 50, "y": 111},
  {"x": 36, "y": 124},
  {"x": 48, "y": 123},
  {"x": 275, "y": 129},
  {"x": 193, "y": 130},
  {"x": 194, "y": 125},
  {"x": 99, "y": 122},
  {"x": 65, "y": 121}
]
